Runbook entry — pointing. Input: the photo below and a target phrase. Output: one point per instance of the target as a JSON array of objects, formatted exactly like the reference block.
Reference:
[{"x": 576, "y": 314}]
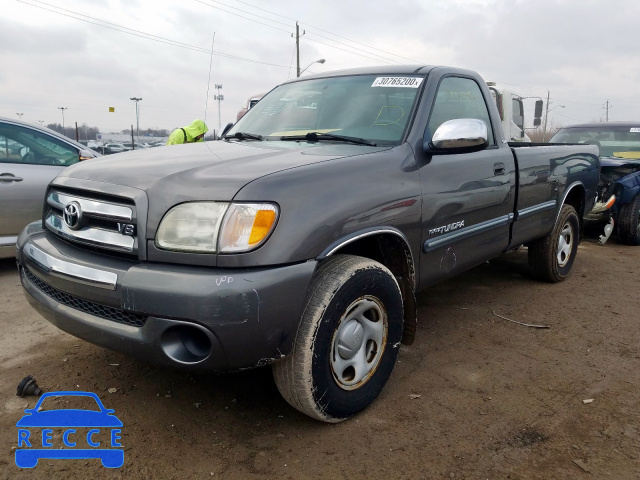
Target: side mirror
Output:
[
  {"x": 226, "y": 129},
  {"x": 537, "y": 122},
  {"x": 461, "y": 135},
  {"x": 87, "y": 154},
  {"x": 537, "y": 113}
]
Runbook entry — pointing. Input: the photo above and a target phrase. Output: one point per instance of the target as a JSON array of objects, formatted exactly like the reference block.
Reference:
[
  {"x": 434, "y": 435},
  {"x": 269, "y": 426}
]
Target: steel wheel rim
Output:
[
  {"x": 358, "y": 342},
  {"x": 565, "y": 244}
]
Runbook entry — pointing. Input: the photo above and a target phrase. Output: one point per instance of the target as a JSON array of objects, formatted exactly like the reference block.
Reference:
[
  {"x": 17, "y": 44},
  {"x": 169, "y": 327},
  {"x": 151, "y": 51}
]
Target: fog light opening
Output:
[{"x": 186, "y": 344}]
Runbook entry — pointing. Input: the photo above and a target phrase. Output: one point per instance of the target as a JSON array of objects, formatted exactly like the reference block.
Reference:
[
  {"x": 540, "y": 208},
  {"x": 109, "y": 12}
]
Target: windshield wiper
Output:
[
  {"x": 244, "y": 136},
  {"x": 317, "y": 136}
]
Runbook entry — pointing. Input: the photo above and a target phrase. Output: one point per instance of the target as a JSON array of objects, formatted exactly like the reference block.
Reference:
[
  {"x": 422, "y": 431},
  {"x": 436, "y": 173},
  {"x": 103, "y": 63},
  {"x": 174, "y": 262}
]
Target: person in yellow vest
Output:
[{"x": 189, "y": 134}]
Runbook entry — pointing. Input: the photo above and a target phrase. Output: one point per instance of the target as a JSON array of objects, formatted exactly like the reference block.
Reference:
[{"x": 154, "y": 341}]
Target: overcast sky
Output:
[{"x": 584, "y": 52}]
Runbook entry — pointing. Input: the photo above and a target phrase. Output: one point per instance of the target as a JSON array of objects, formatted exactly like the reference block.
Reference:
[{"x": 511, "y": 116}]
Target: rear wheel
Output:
[
  {"x": 629, "y": 222},
  {"x": 348, "y": 340},
  {"x": 552, "y": 257}
]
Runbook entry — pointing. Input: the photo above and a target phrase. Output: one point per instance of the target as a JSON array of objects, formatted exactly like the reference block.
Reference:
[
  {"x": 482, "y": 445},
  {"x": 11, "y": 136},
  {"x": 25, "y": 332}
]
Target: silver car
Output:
[{"x": 30, "y": 157}]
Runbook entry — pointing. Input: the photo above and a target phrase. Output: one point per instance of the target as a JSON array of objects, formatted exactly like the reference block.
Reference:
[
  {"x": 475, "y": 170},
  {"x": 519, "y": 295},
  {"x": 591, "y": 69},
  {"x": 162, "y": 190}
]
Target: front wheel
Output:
[
  {"x": 552, "y": 257},
  {"x": 629, "y": 222},
  {"x": 347, "y": 342}
]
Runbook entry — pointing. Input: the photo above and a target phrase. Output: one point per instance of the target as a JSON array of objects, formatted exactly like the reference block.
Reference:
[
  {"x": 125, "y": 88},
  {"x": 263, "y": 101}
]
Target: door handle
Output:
[
  {"x": 9, "y": 177},
  {"x": 498, "y": 168}
]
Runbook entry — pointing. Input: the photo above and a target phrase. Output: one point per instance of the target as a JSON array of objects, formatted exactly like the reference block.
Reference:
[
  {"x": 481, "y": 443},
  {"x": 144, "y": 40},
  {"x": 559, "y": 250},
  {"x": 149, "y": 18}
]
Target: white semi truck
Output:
[{"x": 512, "y": 114}]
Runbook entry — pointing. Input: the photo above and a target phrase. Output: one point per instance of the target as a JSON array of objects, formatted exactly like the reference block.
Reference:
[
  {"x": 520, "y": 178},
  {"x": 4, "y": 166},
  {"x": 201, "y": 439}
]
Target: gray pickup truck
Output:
[{"x": 301, "y": 238}]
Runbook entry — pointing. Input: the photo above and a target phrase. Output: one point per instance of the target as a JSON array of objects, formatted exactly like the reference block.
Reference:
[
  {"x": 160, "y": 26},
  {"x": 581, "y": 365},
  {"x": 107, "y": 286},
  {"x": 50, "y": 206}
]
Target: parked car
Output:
[
  {"x": 618, "y": 205},
  {"x": 301, "y": 237},
  {"x": 113, "y": 147},
  {"x": 134, "y": 146},
  {"x": 30, "y": 157}
]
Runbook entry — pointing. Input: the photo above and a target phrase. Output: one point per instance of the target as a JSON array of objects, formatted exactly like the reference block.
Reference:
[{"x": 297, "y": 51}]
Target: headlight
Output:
[
  {"x": 211, "y": 227},
  {"x": 192, "y": 227}
]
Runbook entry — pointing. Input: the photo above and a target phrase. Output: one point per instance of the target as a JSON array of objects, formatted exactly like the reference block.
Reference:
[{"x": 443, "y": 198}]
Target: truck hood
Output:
[
  {"x": 618, "y": 161},
  {"x": 206, "y": 171}
]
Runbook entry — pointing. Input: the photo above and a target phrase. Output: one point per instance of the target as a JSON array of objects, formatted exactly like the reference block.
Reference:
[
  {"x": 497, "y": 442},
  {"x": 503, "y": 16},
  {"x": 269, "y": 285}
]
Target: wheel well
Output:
[
  {"x": 392, "y": 252},
  {"x": 575, "y": 198}
]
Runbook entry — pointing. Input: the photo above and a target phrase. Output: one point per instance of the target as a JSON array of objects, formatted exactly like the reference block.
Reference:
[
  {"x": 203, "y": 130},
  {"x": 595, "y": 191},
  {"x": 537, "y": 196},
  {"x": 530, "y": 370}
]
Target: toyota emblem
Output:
[{"x": 72, "y": 215}]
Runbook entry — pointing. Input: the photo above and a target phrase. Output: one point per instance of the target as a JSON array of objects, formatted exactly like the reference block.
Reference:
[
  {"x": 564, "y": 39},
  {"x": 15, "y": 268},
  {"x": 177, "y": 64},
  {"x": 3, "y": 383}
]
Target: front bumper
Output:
[{"x": 188, "y": 316}]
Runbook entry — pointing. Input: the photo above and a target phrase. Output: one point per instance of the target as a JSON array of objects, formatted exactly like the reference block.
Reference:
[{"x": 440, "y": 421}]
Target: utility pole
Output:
[
  {"x": 219, "y": 98},
  {"x": 62, "y": 109},
  {"x": 298, "y": 48},
  {"x": 546, "y": 114},
  {"x": 607, "y": 107},
  {"x": 136, "y": 99}
]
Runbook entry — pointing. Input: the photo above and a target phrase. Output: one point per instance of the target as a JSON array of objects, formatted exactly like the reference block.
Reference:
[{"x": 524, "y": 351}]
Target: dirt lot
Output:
[{"x": 475, "y": 397}]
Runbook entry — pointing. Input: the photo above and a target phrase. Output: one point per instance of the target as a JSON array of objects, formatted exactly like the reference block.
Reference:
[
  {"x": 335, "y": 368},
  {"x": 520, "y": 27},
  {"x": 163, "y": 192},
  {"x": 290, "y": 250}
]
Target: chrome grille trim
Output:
[
  {"x": 71, "y": 271},
  {"x": 97, "y": 237},
  {"x": 106, "y": 223},
  {"x": 92, "y": 208}
]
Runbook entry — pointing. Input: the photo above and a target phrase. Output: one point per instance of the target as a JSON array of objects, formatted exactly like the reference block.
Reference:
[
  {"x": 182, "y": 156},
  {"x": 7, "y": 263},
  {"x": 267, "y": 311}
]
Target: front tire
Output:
[
  {"x": 629, "y": 222},
  {"x": 552, "y": 257},
  {"x": 347, "y": 342}
]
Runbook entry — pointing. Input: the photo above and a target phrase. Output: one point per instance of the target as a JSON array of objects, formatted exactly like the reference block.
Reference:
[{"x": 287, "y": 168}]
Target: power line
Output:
[
  {"x": 243, "y": 11},
  {"x": 216, "y": 6},
  {"x": 338, "y": 48},
  {"x": 139, "y": 33},
  {"x": 264, "y": 10},
  {"x": 246, "y": 18},
  {"x": 330, "y": 33},
  {"x": 205, "y": 2},
  {"x": 355, "y": 48}
]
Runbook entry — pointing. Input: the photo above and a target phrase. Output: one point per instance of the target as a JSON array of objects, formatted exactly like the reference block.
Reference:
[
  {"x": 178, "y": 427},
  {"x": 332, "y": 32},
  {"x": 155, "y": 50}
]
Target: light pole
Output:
[
  {"x": 20, "y": 115},
  {"x": 219, "y": 98},
  {"x": 135, "y": 99},
  {"x": 322, "y": 60},
  {"x": 62, "y": 109},
  {"x": 41, "y": 122}
]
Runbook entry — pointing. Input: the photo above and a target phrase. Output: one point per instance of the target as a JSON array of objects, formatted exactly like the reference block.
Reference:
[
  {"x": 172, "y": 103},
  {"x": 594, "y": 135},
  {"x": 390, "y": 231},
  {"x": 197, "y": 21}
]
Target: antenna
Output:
[{"x": 206, "y": 103}]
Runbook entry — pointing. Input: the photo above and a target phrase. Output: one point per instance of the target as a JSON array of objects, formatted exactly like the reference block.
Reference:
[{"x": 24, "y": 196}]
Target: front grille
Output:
[
  {"x": 93, "y": 220},
  {"x": 92, "y": 308}
]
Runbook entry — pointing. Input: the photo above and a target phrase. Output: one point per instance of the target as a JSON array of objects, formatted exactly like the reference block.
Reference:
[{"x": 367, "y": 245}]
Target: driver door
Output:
[{"x": 29, "y": 160}]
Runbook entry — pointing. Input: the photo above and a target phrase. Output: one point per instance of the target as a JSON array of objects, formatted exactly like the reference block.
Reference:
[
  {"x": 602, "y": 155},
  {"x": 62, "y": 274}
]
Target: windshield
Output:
[
  {"x": 613, "y": 140},
  {"x": 369, "y": 107}
]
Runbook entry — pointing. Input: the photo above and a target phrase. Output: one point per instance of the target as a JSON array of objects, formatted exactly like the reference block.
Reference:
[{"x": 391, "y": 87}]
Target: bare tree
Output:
[{"x": 540, "y": 136}]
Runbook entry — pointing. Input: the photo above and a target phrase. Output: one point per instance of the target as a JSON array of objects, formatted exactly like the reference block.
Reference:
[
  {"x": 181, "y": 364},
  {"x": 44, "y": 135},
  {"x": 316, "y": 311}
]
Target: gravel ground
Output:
[{"x": 477, "y": 396}]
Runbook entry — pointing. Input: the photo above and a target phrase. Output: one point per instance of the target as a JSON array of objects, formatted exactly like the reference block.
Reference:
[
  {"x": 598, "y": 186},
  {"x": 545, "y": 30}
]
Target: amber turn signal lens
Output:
[{"x": 261, "y": 225}]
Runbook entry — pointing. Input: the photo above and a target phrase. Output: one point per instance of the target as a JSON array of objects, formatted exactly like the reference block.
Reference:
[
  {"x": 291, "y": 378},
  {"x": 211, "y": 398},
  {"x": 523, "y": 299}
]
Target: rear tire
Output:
[
  {"x": 347, "y": 342},
  {"x": 551, "y": 257},
  {"x": 629, "y": 222}
]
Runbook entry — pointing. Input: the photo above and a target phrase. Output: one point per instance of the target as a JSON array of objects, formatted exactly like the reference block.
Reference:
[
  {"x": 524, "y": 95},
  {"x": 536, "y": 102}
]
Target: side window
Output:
[
  {"x": 459, "y": 98},
  {"x": 26, "y": 146},
  {"x": 518, "y": 117}
]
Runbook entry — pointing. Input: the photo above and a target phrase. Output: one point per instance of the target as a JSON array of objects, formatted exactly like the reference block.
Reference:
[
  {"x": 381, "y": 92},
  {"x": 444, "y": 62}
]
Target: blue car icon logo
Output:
[{"x": 69, "y": 433}]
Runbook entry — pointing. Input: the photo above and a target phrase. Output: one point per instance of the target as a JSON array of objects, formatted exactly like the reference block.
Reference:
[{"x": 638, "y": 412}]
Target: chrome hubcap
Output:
[
  {"x": 358, "y": 342},
  {"x": 565, "y": 244}
]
